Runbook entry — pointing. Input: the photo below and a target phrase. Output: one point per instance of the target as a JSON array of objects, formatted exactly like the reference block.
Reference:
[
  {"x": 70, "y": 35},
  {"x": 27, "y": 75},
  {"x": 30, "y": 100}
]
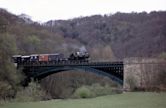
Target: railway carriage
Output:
[{"x": 56, "y": 57}]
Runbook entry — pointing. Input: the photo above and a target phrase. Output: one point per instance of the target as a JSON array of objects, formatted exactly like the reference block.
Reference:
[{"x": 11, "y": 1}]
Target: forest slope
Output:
[{"x": 130, "y": 34}]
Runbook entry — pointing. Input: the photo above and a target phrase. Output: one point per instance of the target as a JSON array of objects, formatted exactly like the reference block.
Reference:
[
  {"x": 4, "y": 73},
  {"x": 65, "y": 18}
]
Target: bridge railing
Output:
[{"x": 62, "y": 63}]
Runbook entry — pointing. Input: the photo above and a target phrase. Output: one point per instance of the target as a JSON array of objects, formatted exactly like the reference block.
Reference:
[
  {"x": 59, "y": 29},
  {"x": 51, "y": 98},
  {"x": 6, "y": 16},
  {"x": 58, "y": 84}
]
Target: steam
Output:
[
  {"x": 82, "y": 49},
  {"x": 75, "y": 47}
]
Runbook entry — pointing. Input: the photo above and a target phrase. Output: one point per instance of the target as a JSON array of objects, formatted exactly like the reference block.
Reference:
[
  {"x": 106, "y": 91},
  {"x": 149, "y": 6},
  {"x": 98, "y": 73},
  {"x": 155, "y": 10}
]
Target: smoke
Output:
[
  {"x": 82, "y": 49},
  {"x": 75, "y": 47}
]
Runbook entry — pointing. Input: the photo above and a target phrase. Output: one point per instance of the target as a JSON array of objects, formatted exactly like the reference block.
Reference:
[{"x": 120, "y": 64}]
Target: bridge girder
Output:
[
  {"x": 82, "y": 68},
  {"x": 113, "y": 71}
]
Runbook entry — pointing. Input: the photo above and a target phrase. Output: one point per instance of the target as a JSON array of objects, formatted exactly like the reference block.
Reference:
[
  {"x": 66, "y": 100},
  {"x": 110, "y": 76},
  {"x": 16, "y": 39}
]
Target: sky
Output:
[{"x": 44, "y": 10}]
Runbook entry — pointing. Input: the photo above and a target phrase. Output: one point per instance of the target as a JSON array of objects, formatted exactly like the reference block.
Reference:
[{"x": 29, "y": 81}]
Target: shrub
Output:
[
  {"x": 64, "y": 84},
  {"x": 31, "y": 93},
  {"x": 6, "y": 90},
  {"x": 100, "y": 90},
  {"x": 83, "y": 92},
  {"x": 95, "y": 90},
  {"x": 162, "y": 55},
  {"x": 131, "y": 82}
]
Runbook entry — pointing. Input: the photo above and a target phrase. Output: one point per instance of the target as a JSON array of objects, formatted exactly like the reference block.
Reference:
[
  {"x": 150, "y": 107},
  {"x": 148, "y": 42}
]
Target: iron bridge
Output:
[{"x": 39, "y": 70}]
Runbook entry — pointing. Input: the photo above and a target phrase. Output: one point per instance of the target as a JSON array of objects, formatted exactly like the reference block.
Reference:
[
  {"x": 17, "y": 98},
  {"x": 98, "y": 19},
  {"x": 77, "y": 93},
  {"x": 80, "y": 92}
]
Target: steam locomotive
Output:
[{"x": 57, "y": 57}]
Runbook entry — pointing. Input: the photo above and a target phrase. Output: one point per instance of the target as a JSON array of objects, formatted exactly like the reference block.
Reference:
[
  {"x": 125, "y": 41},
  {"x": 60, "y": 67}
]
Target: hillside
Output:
[
  {"x": 20, "y": 35},
  {"x": 31, "y": 37},
  {"x": 129, "y": 34},
  {"x": 106, "y": 38},
  {"x": 124, "y": 34}
]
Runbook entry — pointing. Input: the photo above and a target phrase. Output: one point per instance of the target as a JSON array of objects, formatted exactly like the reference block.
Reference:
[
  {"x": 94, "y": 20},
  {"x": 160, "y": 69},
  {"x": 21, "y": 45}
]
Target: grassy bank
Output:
[{"x": 125, "y": 100}]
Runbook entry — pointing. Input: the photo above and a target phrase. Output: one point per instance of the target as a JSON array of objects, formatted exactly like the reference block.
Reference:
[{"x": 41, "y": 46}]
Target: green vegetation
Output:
[
  {"x": 83, "y": 92},
  {"x": 9, "y": 77},
  {"x": 105, "y": 37},
  {"x": 31, "y": 93},
  {"x": 162, "y": 55},
  {"x": 126, "y": 100},
  {"x": 71, "y": 84},
  {"x": 132, "y": 82},
  {"x": 94, "y": 90}
]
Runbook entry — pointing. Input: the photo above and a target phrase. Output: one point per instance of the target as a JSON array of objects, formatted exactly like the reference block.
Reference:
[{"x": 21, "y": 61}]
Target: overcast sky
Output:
[{"x": 44, "y": 10}]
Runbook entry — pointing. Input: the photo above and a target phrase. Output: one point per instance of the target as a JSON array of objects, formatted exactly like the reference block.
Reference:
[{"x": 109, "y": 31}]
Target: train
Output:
[{"x": 56, "y": 57}]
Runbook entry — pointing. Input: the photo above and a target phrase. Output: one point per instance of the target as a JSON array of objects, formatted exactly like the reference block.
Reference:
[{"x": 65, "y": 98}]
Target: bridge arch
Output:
[{"x": 53, "y": 70}]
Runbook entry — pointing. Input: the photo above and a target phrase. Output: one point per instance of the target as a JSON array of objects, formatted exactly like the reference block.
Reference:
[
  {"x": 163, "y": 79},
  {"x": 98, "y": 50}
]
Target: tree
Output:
[{"x": 8, "y": 74}]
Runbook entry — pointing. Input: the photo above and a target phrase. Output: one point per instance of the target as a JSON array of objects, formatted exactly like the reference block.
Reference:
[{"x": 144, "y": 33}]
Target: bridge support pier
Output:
[{"x": 144, "y": 73}]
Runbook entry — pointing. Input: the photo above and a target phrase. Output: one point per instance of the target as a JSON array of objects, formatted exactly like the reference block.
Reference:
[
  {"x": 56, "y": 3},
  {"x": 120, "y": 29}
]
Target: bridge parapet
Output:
[{"x": 66, "y": 63}]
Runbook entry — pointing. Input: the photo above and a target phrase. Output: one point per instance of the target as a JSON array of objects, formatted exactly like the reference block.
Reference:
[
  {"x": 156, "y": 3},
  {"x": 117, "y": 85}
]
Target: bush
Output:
[
  {"x": 131, "y": 82},
  {"x": 162, "y": 55},
  {"x": 95, "y": 90},
  {"x": 31, "y": 93},
  {"x": 64, "y": 84},
  {"x": 83, "y": 92},
  {"x": 100, "y": 90},
  {"x": 6, "y": 91}
]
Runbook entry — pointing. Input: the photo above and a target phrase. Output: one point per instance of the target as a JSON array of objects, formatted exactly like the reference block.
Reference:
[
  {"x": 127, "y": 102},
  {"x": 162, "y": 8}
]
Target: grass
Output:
[{"x": 125, "y": 100}]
